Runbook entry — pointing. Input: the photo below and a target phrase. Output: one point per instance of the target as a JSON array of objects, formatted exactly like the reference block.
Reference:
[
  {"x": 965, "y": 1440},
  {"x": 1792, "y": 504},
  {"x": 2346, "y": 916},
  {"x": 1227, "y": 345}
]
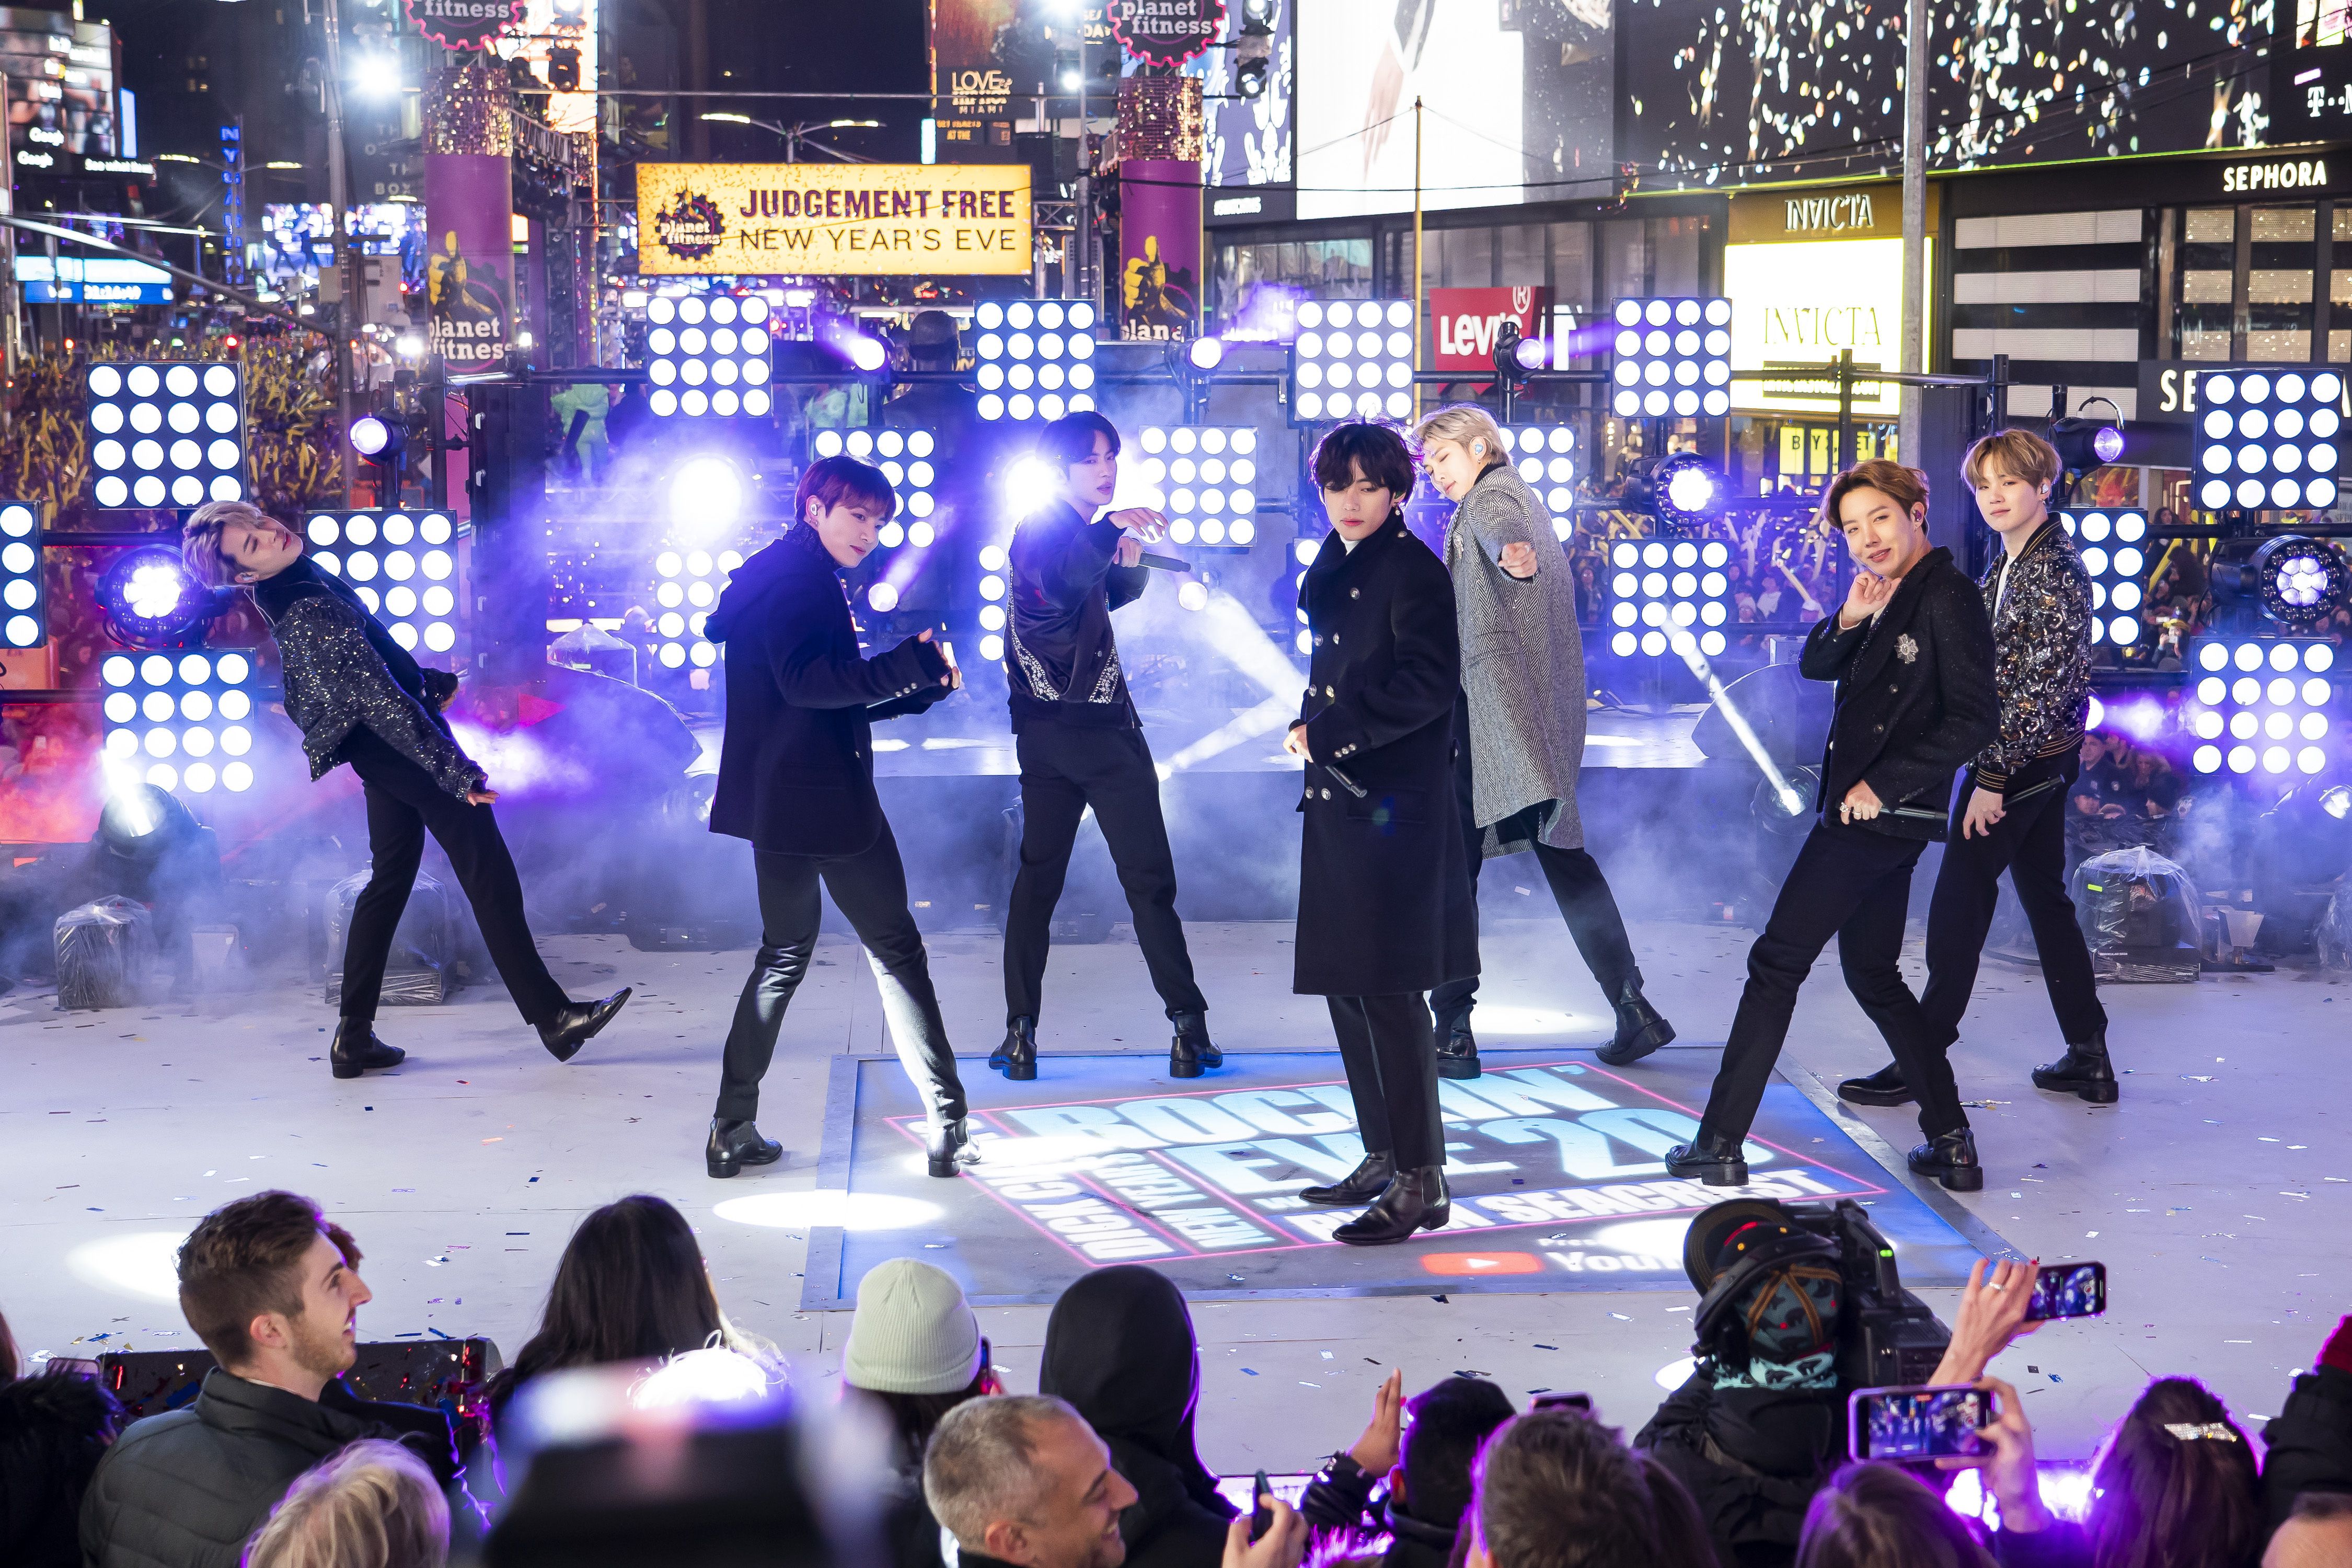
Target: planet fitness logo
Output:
[{"x": 691, "y": 228}]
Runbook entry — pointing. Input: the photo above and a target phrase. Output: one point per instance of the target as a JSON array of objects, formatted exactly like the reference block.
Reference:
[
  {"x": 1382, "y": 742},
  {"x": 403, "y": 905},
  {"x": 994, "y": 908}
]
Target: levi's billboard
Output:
[
  {"x": 832, "y": 218},
  {"x": 1463, "y": 322}
]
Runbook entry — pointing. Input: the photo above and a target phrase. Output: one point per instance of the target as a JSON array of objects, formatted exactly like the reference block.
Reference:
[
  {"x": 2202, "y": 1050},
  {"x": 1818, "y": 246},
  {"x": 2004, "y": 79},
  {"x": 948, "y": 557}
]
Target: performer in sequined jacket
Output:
[{"x": 360, "y": 698}]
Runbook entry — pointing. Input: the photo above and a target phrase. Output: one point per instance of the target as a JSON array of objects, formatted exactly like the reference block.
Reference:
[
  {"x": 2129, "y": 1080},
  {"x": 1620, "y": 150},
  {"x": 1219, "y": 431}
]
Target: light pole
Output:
[
  {"x": 338, "y": 218},
  {"x": 799, "y": 131}
]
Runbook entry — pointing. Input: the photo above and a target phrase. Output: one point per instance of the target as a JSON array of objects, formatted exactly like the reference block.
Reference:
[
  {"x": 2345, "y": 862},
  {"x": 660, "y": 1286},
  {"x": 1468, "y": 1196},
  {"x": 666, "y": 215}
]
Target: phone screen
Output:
[
  {"x": 1919, "y": 1423},
  {"x": 2068, "y": 1291}
]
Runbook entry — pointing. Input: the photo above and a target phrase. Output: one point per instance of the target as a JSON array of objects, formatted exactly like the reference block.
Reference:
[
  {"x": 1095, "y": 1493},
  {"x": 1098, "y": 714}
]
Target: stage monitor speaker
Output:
[{"x": 444, "y": 1375}]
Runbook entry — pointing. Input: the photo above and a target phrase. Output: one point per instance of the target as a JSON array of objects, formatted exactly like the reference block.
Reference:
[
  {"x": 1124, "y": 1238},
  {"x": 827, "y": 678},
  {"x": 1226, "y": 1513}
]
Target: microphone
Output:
[{"x": 1165, "y": 563}]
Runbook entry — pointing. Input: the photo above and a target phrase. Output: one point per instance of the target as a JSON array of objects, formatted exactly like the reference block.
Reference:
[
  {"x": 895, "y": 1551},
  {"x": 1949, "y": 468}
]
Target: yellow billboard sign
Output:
[
  {"x": 1800, "y": 304},
  {"x": 832, "y": 218}
]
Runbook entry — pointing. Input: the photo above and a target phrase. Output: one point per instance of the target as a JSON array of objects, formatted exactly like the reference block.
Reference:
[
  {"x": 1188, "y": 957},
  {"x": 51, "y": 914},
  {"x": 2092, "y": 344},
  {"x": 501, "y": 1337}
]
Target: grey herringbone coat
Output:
[{"x": 1522, "y": 664}]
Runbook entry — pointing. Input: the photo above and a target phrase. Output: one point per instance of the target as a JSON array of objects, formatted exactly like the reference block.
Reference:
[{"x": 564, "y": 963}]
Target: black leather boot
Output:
[
  {"x": 576, "y": 1022},
  {"x": 1714, "y": 1160},
  {"x": 1016, "y": 1059},
  {"x": 948, "y": 1146},
  {"x": 2083, "y": 1070},
  {"x": 1414, "y": 1201},
  {"x": 1640, "y": 1029},
  {"x": 1361, "y": 1185},
  {"x": 1457, "y": 1051},
  {"x": 1190, "y": 1054},
  {"x": 735, "y": 1144},
  {"x": 1885, "y": 1086},
  {"x": 1951, "y": 1159},
  {"x": 357, "y": 1051}
]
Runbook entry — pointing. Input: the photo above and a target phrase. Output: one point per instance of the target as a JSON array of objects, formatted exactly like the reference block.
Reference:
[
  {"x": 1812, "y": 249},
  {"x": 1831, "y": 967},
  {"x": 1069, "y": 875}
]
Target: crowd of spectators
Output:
[{"x": 277, "y": 1464}]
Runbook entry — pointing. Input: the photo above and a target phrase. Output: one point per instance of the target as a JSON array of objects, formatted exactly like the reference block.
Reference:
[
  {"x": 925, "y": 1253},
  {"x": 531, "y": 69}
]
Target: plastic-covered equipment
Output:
[
  {"x": 2140, "y": 916},
  {"x": 421, "y": 971},
  {"x": 2333, "y": 932},
  {"x": 106, "y": 954}
]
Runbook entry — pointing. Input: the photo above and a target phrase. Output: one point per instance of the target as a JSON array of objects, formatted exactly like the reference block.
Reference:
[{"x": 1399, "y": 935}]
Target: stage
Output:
[{"x": 2219, "y": 1192}]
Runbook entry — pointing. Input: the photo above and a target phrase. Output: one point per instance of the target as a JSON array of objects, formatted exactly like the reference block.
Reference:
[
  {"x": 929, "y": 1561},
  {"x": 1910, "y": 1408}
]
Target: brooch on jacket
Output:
[{"x": 1905, "y": 648}]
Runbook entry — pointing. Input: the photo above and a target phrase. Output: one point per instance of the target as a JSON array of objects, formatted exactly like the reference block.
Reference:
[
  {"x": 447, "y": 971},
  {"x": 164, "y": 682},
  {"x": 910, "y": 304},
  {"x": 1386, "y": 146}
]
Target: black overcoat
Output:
[
  {"x": 1384, "y": 902},
  {"x": 1915, "y": 698},
  {"x": 796, "y": 764}
]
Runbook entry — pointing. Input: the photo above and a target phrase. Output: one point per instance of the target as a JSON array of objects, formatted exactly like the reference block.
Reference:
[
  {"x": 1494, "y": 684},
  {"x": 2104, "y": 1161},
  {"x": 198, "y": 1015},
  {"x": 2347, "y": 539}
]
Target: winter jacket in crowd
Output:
[
  {"x": 1752, "y": 1459},
  {"x": 2039, "y": 600},
  {"x": 54, "y": 1429},
  {"x": 1338, "y": 1503},
  {"x": 2307, "y": 1447},
  {"x": 1061, "y": 662}
]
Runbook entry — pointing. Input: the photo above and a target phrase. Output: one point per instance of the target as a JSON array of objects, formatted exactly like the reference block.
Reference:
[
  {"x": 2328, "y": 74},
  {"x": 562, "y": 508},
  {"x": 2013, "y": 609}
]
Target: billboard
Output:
[
  {"x": 974, "y": 45},
  {"x": 60, "y": 76},
  {"x": 832, "y": 219},
  {"x": 1250, "y": 140},
  {"x": 1463, "y": 322},
  {"x": 1515, "y": 96}
]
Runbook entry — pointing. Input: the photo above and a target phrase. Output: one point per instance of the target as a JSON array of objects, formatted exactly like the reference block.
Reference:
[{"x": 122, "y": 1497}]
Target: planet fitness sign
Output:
[
  {"x": 832, "y": 218},
  {"x": 463, "y": 24}
]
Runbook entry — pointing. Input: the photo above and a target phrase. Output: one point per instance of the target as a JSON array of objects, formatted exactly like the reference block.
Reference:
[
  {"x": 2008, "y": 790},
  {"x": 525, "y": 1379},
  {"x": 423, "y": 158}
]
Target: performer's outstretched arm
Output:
[
  {"x": 810, "y": 675},
  {"x": 322, "y": 646}
]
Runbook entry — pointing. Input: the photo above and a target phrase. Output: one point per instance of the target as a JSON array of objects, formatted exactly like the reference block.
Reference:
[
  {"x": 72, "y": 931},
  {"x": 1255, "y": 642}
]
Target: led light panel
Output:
[
  {"x": 906, "y": 459},
  {"x": 993, "y": 560},
  {"x": 686, "y": 586},
  {"x": 2260, "y": 704},
  {"x": 179, "y": 720},
  {"x": 2114, "y": 551},
  {"x": 1541, "y": 454},
  {"x": 24, "y": 609},
  {"x": 1034, "y": 357},
  {"x": 1206, "y": 475},
  {"x": 1352, "y": 360},
  {"x": 402, "y": 565},
  {"x": 166, "y": 435},
  {"x": 2267, "y": 437},
  {"x": 707, "y": 355},
  {"x": 1653, "y": 587},
  {"x": 1673, "y": 356}
]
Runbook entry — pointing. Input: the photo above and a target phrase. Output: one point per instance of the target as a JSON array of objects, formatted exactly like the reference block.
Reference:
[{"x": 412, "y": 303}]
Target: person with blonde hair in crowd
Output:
[{"x": 372, "y": 1505}]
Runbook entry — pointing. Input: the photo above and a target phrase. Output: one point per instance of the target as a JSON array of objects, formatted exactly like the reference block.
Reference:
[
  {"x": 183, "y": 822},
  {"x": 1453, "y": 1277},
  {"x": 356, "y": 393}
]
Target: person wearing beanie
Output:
[{"x": 915, "y": 1353}]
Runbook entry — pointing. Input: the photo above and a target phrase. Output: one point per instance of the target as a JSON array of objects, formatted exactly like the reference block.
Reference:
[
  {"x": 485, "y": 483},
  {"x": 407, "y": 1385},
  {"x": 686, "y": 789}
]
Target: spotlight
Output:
[
  {"x": 2259, "y": 703},
  {"x": 1205, "y": 354},
  {"x": 2113, "y": 545},
  {"x": 151, "y": 601},
  {"x": 1035, "y": 357},
  {"x": 686, "y": 586},
  {"x": 706, "y": 496},
  {"x": 2085, "y": 444},
  {"x": 2336, "y": 801},
  {"x": 1673, "y": 356},
  {"x": 708, "y": 356},
  {"x": 1352, "y": 359},
  {"x": 2301, "y": 581},
  {"x": 1249, "y": 79},
  {"x": 24, "y": 607},
  {"x": 166, "y": 435},
  {"x": 905, "y": 457},
  {"x": 179, "y": 722},
  {"x": 1541, "y": 454},
  {"x": 1192, "y": 596},
  {"x": 1652, "y": 584},
  {"x": 1205, "y": 476},
  {"x": 377, "y": 76},
  {"x": 374, "y": 440},
  {"x": 1028, "y": 485},
  {"x": 2267, "y": 438},
  {"x": 1688, "y": 493},
  {"x": 867, "y": 354},
  {"x": 403, "y": 567}
]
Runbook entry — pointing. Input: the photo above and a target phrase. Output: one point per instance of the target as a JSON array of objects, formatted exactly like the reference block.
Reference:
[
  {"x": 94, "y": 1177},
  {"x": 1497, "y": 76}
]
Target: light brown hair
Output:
[
  {"x": 2018, "y": 453},
  {"x": 1555, "y": 1489},
  {"x": 372, "y": 1505},
  {"x": 1907, "y": 487},
  {"x": 200, "y": 539},
  {"x": 1874, "y": 1516}
]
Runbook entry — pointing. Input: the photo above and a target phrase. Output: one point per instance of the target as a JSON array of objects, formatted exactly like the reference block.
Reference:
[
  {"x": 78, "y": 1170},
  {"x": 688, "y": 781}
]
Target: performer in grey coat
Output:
[{"x": 1519, "y": 723}]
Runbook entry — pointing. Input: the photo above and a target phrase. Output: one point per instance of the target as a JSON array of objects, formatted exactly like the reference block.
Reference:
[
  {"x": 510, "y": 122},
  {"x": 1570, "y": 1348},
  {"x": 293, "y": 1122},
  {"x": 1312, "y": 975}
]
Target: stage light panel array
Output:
[
  {"x": 1654, "y": 585},
  {"x": 686, "y": 586},
  {"x": 166, "y": 435},
  {"x": 1204, "y": 473},
  {"x": 993, "y": 561},
  {"x": 24, "y": 613},
  {"x": 2261, "y": 704},
  {"x": 1352, "y": 360},
  {"x": 2114, "y": 548},
  {"x": 707, "y": 355},
  {"x": 2267, "y": 438},
  {"x": 1034, "y": 357},
  {"x": 1673, "y": 356},
  {"x": 403, "y": 566},
  {"x": 1541, "y": 455},
  {"x": 905, "y": 458},
  {"x": 179, "y": 722}
]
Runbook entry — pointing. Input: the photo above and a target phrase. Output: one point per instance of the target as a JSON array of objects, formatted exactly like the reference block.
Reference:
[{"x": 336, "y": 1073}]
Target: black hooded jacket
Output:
[
  {"x": 54, "y": 1429},
  {"x": 1119, "y": 1347},
  {"x": 1752, "y": 1459}
]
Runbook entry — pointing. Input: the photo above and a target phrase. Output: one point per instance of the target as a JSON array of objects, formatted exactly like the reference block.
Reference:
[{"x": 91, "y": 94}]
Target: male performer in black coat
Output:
[
  {"x": 1081, "y": 742},
  {"x": 797, "y": 778},
  {"x": 1911, "y": 652},
  {"x": 360, "y": 698},
  {"x": 1384, "y": 903}
]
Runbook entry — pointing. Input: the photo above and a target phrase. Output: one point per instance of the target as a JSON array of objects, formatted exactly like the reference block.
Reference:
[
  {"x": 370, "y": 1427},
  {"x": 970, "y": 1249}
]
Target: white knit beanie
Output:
[{"x": 912, "y": 1333}]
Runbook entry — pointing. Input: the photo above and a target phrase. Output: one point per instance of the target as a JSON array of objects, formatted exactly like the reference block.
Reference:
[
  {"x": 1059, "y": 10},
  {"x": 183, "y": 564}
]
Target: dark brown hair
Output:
[
  {"x": 915, "y": 1416},
  {"x": 1875, "y": 1516},
  {"x": 829, "y": 481},
  {"x": 1071, "y": 440},
  {"x": 2158, "y": 1500},
  {"x": 1557, "y": 1489},
  {"x": 1683, "y": 1541},
  {"x": 1907, "y": 487},
  {"x": 8, "y": 1361},
  {"x": 244, "y": 1259},
  {"x": 1374, "y": 451}
]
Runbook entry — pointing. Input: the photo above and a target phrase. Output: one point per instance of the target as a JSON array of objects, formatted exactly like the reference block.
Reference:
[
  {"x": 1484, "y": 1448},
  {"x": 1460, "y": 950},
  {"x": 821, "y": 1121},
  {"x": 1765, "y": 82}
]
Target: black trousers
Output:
[
  {"x": 870, "y": 888},
  {"x": 2030, "y": 843},
  {"x": 1855, "y": 885},
  {"x": 403, "y": 804},
  {"x": 1063, "y": 770},
  {"x": 1577, "y": 887},
  {"x": 1390, "y": 1054}
]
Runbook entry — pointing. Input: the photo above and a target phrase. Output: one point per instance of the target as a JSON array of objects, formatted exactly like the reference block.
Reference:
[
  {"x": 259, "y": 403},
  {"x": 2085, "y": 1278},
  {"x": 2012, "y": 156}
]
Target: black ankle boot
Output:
[
  {"x": 1190, "y": 1054},
  {"x": 1413, "y": 1201},
  {"x": 1457, "y": 1051},
  {"x": 2083, "y": 1070},
  {"x": 1640, "y": 1029},
  {"x": 1361, "y": 1185},
  {"x": 948, "y": 1146},
  {"x": 1885, "y": 1086},
  {"x": 1714, "y": 1160},
  {"x": 357, "y": 1051},
  {"x": 1016, "y": 1059},
  {"x": 1951, "y": 1159},
  {"x": 576, "y": 1022},
  {"x": 735, "y": 1144}
]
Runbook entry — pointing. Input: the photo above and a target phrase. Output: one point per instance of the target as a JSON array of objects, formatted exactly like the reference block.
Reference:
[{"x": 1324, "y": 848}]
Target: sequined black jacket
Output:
[
  {"x": 1061, "y": 663},
  {"x": 344, "y": 670},
  {"x": 2041, "y": 658}
]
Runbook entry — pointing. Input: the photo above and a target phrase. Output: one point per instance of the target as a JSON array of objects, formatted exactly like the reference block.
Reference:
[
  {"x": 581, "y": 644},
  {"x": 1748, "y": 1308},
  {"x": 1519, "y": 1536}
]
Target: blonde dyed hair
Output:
[
  {"x": 2018, "y": 453},
  {"x": 372, "y": 1505},
  {"x": 200, "y": 540},
  {"x": 1462, "y": 423}
]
